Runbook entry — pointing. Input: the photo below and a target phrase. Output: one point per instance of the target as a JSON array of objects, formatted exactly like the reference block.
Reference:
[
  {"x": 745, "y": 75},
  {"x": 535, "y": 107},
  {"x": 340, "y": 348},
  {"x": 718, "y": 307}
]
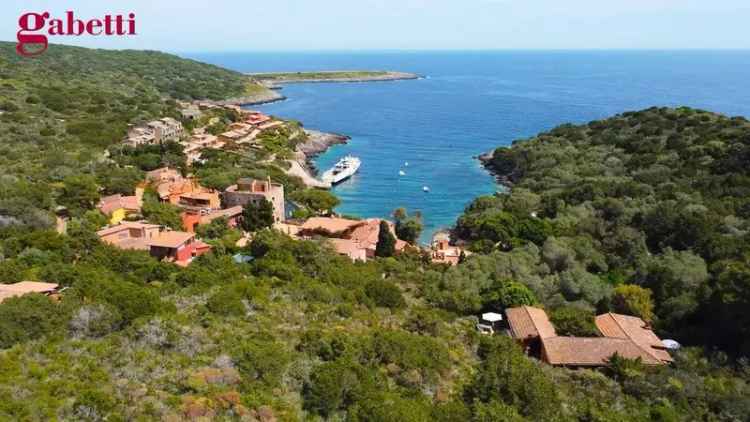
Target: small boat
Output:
[
  {"x": 344, "y": 169},
  {"x": 425, "y": 189},
  {"x": 406, "y": 164},
  {"x": 401, "y": 173}
]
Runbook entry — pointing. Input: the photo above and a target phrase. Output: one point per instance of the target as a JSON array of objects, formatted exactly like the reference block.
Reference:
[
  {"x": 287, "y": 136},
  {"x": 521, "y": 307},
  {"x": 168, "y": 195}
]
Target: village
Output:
[{"x": 199, "y": 205}]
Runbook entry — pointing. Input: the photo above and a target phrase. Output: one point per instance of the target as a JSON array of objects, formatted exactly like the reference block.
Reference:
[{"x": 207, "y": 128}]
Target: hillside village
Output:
[{"x": 200, "y": 205}]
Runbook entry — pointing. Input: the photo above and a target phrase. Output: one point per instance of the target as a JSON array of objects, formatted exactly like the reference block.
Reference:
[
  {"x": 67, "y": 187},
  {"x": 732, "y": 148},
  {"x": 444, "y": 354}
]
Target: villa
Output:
[
  {"x": 443, "y": 253},
  {"x": 199, "y": 200},
  {"x": 191, "y": 220},
  {"x": 155, "y": 132},
  {"x": 256, "y": 118},
  {"x": 178, "y": 247},
  {"x": 627, "y": 336},
  {"x": 173, "y": 246},
  {"x": 356, "y": 239},
  {"x": 172, "y": 187},
  {"x": 252, "y": 190},
  {"x": 130, "y": 234},
  {"x": 199, "y": 142},
  {"x": 21, "y": 288},
  {"x": 118, "y": 207}
]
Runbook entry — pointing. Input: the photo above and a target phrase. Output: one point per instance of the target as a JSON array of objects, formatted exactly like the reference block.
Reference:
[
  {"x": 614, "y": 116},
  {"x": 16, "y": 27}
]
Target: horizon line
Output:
[{"x": 418, "y": 50}]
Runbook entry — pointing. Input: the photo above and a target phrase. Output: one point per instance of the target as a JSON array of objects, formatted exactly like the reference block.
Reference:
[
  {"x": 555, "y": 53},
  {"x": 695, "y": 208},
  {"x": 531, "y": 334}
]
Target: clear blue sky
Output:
[{"x": 175, "y": 25}]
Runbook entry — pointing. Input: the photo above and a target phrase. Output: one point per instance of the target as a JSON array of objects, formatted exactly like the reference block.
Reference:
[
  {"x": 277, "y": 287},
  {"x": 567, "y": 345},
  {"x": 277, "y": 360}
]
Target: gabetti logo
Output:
[{"x": 36, "y": 26}]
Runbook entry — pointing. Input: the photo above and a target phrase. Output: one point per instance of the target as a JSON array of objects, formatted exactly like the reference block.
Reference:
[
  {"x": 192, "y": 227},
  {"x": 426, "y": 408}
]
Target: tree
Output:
[
  {"x": 216, "y": 229},
  {"x": 163, "y": 214},
  {"x": 386, "y": 245},
  {"x": 261, "y": 360},
  {"x": 507, "y": 294},
  {"x": 572, "y": 321},
  {"x": 257, "y": 215},
  {"x": 407, "y": 228},
  {"x": 79, "y": 193},
  {"x": 507, "y": 376},
  {"x": 633, "y": 300},
  {"x": 29, "y": 317},
  {"x": 332, "y": 386},
  {"x": 384, "y": 293},
  {"x": 319, "y": 201}
]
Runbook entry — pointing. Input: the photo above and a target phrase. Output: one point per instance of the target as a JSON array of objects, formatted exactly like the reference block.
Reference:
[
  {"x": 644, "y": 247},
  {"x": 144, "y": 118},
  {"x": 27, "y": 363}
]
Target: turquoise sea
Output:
[{"x": 472, "y": 102}]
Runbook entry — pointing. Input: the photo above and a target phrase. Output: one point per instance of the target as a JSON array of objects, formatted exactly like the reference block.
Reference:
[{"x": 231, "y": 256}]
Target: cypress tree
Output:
[{"x": 386, "y": 241}]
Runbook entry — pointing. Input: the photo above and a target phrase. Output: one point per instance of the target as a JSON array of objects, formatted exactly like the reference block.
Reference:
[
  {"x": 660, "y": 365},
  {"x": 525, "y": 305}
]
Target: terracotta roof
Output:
[
  {"x": 528, "y": 322},
  {"x": 200, "y": 195},
  {"x": 109, "y": 204},
  {"x": 112, "y": 203},
  {"x": 163, "y": 172},
  {"x": 330, "y": 224},
  {"x": 125, "y": 225},
  {"x": 635, "y": 329},
  {"x": 29, "y": 287},
  {"x": 228, "y": 213},
  {"x": 131, "y": 203},
  {"x": 367, "y": 234},
  {"x": 24, "y": 287},
  {"x": 6, "y": 295},
  {"x": 591, "y": 351},
  {"x": 173, "y": 239}
]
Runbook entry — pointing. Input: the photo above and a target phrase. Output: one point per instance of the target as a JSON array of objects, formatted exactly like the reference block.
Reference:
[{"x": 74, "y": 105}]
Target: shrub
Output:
[
  {"x": 384, "y": 293},
  {"x": 572, "y": 321},
  {"x": 29, "y": 317}
]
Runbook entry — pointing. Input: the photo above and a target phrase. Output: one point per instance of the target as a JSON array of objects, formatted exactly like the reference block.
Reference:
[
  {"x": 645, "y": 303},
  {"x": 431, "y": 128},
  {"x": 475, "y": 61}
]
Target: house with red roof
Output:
[
  {"x": 623, "y": 335},
  {"x": 21, "y": 288},
  {"x": 361, "y": 235},
  {"x": 173, "y": 246},
  {"x": 118, "y": 207}
]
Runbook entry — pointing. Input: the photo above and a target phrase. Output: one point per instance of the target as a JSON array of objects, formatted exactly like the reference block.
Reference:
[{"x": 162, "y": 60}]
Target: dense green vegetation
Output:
[
  {"x": 645, "y": 214},
  {"x": 61, "y": 110}
]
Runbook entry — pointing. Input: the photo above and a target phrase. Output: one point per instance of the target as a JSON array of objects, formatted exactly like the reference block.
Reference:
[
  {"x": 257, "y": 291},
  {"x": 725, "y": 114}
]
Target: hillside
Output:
[
  {"x": 301, "y": 333},
  {"x": 60, "y": 111},
  {"x": 658, "y": 199}
]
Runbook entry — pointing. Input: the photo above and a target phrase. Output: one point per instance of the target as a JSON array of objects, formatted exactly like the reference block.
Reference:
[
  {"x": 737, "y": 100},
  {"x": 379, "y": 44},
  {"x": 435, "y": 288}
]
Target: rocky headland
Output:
[{"x": 273, "y": 80}]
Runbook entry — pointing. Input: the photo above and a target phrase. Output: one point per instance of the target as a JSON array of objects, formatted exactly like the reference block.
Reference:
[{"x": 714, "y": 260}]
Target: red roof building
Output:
[
  {"x": 634, "y": 329},
  {"x": 21, "y": 288},
  {"x": 626, "y": 336}
]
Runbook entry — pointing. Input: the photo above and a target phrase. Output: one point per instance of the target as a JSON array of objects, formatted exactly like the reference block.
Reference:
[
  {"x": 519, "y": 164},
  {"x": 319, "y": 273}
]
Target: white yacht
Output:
[{"x": 344, "y": 169}]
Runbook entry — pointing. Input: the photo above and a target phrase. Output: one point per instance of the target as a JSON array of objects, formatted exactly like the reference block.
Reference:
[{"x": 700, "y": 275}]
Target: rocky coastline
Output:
[
  {"x": 270, "y": 96},
  {"x": 385, "y": 77},
  {"x": 317, "y": 143},
  {"x": 502, "y": 178}
]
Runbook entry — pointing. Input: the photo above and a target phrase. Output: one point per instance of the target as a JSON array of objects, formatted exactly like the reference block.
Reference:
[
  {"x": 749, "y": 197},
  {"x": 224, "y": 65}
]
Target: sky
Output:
[{"x": 296, "y": 25}]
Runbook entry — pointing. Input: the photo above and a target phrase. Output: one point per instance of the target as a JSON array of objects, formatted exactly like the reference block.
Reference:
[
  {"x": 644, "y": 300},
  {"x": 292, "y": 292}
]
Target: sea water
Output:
[{"x": 471, "y": 102}]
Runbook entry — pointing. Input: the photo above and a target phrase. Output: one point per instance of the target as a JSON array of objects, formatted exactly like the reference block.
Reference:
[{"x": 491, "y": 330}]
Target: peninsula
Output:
[{"x": 275, "y": 78}]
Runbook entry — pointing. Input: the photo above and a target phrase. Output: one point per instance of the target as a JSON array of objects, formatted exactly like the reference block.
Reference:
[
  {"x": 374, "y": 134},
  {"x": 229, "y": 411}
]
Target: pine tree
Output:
[
  {"x": 386, "y": 241},
  {"x": 257, "y": 216}
]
